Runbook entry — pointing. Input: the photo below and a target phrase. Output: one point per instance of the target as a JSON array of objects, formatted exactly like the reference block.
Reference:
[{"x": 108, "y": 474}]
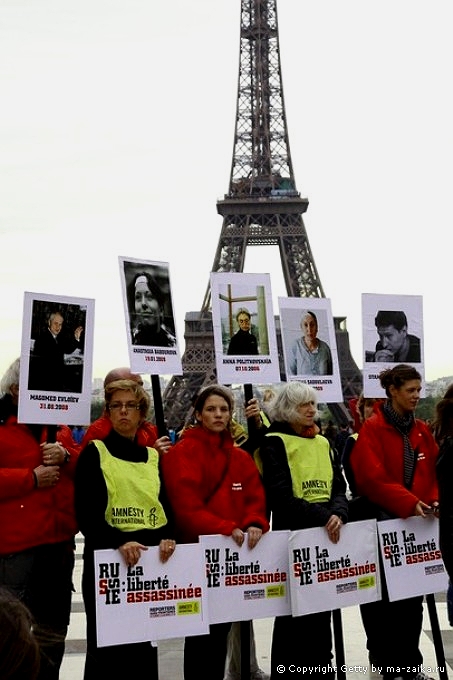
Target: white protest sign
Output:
[
  {"x": 303, "y": 322},
  {"x": 326, "y": 576},
  {"x": 150, "y": 319},
  {"x": 56, "y": 359},
  {"x": 392, "y": 334},
  {"x": 412, "y": 559},
  {"x": 151, "y": 601},
  {"x": 246, "y": 584}
]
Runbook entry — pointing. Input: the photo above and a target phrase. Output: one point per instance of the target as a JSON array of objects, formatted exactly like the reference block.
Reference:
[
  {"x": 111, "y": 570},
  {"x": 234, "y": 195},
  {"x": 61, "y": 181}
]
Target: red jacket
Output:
[
  {"x": 378, "y": 466},
  {"x": 146, "y": 433},
  {"x": 213, "y": 487},
  {"x": 31, "y": 516}
]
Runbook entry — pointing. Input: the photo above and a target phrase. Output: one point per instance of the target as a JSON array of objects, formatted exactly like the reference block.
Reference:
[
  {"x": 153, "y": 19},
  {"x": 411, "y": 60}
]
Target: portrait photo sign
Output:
[
  {"x": 244, "y": 330},
  {"x": 392, "y": 334},
  {"x": 56, "y": 360},
  {"x": 150, "y": 321},
  {"x": 310, "y": 345}
]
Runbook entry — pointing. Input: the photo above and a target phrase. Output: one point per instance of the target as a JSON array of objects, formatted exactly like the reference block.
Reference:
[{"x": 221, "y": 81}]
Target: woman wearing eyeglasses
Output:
[{"x": 111, "y": 475}]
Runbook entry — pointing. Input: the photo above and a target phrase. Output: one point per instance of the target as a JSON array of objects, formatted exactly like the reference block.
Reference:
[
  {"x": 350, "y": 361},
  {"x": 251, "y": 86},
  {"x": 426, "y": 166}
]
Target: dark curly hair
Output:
[{"x": 397, "y": 376}]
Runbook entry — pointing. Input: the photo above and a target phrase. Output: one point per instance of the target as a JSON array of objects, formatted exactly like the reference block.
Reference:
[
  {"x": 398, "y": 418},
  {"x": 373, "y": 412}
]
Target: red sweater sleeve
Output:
[{"x": 188, "y": 494}]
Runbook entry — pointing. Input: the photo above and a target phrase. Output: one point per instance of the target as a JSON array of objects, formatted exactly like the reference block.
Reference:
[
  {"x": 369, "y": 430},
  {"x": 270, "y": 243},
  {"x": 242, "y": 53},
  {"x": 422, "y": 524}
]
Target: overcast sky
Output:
[{"x": 116, "y": 138}]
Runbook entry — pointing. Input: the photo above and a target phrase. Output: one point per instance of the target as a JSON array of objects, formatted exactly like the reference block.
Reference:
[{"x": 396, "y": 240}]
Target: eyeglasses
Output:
[{"x": 120, "y": 405}]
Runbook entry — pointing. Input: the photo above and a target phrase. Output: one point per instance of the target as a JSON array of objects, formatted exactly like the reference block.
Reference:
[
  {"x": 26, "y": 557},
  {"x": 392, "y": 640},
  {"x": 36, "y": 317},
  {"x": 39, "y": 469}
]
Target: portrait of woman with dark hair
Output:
[{"x": 146, "y": 305}]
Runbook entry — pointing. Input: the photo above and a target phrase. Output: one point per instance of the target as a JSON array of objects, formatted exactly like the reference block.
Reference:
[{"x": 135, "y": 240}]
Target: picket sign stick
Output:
[
  {"x": 245, "y": 625},
  {"x": 248, "y": 394},
  {"x": 51, "y": 434},
  {"x": 437, "y": 637},
  {"x": 161, "y": 431},
  {"x": 339, "y": 644},
  {"x": 245, "y": 649},
  {"x": 158, "y": 407}
]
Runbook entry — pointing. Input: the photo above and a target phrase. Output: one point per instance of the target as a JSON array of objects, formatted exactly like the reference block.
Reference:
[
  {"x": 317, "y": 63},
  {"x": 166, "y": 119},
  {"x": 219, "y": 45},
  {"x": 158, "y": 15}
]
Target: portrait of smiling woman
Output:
[{"x": 147, "y": 306}]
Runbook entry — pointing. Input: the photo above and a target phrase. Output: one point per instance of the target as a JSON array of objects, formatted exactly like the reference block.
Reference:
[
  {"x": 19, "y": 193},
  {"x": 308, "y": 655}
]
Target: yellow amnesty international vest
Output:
[
  {"x": 132, "y": 491},
  {"x": 310, "y": 466}
]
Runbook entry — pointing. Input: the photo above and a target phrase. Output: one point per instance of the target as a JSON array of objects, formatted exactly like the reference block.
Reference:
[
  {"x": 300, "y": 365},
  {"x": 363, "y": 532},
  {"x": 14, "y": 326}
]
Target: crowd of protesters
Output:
[{"x": 382, "y": 463}]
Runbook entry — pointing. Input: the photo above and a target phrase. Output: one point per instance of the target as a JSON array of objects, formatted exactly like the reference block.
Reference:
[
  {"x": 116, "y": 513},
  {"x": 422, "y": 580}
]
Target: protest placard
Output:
[
  {"x": 247, "y": 584},
  {"x": 326, "y": 576},
  {"x": 151, "y": 601},
  {"x": 411, "y": 556}
]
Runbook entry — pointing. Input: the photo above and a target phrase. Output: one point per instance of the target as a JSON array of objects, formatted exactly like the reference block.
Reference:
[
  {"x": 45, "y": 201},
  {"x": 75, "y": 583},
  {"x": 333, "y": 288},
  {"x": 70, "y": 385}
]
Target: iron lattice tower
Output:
[{"x": 262, "y": 208}]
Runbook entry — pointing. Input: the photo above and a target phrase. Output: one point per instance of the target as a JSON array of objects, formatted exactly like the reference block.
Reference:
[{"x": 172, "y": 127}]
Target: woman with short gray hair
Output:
[{"x": 305, "y": 488}]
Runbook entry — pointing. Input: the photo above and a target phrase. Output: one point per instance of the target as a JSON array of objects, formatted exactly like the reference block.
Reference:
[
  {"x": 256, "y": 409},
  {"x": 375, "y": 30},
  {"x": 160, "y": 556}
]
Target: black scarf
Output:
[{"x": 404, "y": 425}]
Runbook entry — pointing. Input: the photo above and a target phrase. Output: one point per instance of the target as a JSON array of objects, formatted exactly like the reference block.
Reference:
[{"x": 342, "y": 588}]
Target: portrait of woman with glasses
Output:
[{"x": 112, "y": 477}]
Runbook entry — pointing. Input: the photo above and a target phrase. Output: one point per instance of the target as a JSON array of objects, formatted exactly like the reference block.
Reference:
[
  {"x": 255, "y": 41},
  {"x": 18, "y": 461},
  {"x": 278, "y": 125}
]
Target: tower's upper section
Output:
[{"x": 261, "y": 158}]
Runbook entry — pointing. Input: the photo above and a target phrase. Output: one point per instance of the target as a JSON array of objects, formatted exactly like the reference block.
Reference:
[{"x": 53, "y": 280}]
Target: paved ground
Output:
[{"x": 170, "y": 651}]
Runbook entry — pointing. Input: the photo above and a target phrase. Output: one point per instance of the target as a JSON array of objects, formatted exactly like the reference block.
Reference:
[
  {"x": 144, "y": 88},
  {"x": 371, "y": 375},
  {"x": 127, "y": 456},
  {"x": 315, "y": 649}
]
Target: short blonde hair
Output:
[{"x": 143, "y": 399}]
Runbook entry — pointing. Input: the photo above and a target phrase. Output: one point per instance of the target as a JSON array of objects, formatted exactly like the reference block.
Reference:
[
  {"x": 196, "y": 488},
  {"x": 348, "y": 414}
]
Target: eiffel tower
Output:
[{"x": 262, "y": 208}]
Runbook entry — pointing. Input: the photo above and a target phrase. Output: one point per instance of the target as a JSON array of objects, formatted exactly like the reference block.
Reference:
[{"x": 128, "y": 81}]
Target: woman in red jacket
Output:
[
  {"x": 213, "y": 488},
  {"x": 38, "y": 522},
  {"x": 394, "y": 466}
]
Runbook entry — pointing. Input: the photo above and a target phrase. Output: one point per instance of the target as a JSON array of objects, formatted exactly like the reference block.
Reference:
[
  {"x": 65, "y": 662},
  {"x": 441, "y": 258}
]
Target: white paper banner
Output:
[
  {"x": 326, "y": 576},
  {"x": 412, "y": 559},
  {"x": 247, "y": 584},
  {"x": 153, "y": 600}
]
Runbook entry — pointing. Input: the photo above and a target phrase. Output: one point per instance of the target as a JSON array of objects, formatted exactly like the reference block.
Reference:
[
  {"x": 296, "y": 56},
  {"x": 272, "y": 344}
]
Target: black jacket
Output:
[
  {"x": 444, "y": 469},
  {"x": 243, "y": 343}
]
